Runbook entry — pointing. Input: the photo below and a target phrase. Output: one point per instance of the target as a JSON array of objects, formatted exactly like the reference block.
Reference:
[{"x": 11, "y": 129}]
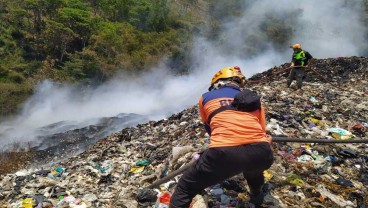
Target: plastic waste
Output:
[
  {"x": 313, "y": 100},
  {"x": 344, "y": 182},
  {"x": 217, "y": 191},
  {"x": 234, "y": 184},
  {"x": 56, "y": 172},
  {"x": 335, "y": 198},
  {"x": 348, "y": 153},
  {"x": 198, "y": 202},
  {"x": 163, "y": 200},
  {"x": 147, "y": 195},
  {"x": 267, "y": 175},
  {"x": 275, "y": 128},
  {"x": 295, "y": 180},
  {"x": 27, "y": 203},
  {"x": 316, "y": 121},
  {"x": 143, "y": 163},
  {"x": 136, "y": 169},
  {"x": 89, "y": 197},
  {"x": 224, "y": 199},
  {"x": 304, "y": 158},
  {"x": 339, "y": 133},
  {"x": 338, "y": 170},
  {"x": 69, "y": 199},
  {"x": 290, "y": 112}
]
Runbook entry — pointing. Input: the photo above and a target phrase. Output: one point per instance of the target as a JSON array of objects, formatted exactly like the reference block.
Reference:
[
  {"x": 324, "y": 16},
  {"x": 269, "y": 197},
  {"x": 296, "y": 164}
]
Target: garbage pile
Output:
[
  {"x": 113, "y": 172},
  {"x": 59, "y": 140}
]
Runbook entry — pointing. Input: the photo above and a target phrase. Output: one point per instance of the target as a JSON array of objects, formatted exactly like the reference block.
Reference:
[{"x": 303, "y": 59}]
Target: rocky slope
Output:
[{"x": 332, "y": 105}]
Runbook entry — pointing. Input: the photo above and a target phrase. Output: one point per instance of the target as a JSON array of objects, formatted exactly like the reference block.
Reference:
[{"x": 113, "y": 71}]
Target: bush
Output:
[
  {"x": 12, "y": 96},
  {"x": 11, "y": 76},
  {"x": 32, "y": 68},
  {"x": 16, "y": 77}
]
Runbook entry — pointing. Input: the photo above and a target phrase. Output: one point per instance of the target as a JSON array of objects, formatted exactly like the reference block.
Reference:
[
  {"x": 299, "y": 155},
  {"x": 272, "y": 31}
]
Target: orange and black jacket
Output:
[{"x": 231, "y": 127}]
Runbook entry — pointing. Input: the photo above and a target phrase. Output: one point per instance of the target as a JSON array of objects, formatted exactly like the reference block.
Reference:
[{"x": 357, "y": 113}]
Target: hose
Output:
[{"x": 274, "y": 139}]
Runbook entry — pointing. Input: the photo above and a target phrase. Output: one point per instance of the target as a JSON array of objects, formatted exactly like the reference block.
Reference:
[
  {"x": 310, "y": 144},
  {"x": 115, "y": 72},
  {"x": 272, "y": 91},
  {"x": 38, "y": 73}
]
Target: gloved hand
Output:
[{"x": 195, "y": 156}]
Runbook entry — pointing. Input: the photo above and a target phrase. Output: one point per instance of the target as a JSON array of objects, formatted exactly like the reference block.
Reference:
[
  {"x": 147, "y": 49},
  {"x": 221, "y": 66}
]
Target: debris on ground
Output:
[{"x": 114, "y": 171}]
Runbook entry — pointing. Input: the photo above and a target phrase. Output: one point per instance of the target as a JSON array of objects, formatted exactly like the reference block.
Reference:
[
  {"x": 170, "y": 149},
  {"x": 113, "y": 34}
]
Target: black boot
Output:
[
  {"x": 263, "y": 198},
  {"x": 256, "y": 199}
]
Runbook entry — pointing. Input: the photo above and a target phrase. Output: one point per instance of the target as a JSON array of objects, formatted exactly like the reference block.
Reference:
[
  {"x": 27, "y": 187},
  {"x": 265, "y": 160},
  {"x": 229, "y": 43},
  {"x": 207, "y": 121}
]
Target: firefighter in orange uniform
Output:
[{"x": 238, "y": 143}]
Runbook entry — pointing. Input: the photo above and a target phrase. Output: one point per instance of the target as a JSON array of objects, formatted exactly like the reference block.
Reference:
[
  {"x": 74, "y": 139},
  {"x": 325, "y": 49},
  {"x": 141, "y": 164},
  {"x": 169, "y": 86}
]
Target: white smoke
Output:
[{"x": 324, "y": 28}]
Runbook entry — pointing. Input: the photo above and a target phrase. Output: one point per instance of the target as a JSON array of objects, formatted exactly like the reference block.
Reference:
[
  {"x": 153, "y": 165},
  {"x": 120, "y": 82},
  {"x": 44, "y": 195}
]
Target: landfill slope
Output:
[{"x": 332, "y": 105}]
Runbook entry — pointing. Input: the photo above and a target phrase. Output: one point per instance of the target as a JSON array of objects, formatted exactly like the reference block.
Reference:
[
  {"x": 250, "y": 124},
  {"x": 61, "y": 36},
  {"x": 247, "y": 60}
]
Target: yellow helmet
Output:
[
  {"x": 228, "y": 72},
  {"x": 296, "y": 46}
]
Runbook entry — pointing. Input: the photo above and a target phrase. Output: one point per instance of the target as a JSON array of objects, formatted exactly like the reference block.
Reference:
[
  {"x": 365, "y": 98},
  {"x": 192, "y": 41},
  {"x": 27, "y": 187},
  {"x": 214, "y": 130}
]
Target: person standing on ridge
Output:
[
  {"x": 299, "y": 62},
  {"x": 238, "y": 143}
]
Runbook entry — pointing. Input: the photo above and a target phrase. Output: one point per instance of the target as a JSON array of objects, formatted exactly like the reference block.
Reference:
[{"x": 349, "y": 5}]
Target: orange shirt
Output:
[{"x": 231, "y": 127}]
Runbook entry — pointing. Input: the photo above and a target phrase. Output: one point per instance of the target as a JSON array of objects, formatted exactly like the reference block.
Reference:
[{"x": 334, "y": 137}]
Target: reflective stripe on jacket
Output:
[{"x": 299, "y": 58}]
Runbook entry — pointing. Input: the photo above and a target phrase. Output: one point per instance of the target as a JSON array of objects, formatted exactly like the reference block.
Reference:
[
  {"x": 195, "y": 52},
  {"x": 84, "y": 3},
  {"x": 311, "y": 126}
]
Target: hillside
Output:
[
  {"x": 88, "y": 42},
  {"x": 110, "y": 173}
]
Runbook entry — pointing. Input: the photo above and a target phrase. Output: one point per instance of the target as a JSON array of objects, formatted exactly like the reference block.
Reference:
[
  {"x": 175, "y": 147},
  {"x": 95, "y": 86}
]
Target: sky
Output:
[{"x": 326, "y": 29}]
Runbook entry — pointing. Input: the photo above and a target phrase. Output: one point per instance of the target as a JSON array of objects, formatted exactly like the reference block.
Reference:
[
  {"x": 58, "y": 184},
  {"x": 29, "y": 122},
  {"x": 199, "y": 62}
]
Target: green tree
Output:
[
  {"x": 35, "y": 6},
  {"x": 84, "y": 66},
  {"x": 139, "y": 14},
  {"x": 78, "y": 21},
  {"x": 158, "y": 20},
  {"x": 76, "y": 4},
  {"x": 108, "y": 41},
  {"x": 20, "y": 20},
  {"x": 51, "y": 6},
  {"x": 122, "y": 9},
  {"x": 59, "y": 38}
]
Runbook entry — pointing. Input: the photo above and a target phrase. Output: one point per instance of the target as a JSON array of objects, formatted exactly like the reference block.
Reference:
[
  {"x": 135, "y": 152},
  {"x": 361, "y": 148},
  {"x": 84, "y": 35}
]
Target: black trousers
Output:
[{"x": 218, "y": 164}]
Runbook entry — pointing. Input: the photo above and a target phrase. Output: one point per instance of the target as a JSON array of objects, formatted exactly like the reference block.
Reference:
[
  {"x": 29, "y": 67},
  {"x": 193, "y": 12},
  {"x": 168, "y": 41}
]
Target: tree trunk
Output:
[{"x": 63, "y": 48}]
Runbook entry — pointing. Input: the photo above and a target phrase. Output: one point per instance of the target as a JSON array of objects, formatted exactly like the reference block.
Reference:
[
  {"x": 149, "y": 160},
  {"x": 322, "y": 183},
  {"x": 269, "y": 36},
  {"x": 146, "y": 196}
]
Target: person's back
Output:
[{"x": 231, "y": 127}]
